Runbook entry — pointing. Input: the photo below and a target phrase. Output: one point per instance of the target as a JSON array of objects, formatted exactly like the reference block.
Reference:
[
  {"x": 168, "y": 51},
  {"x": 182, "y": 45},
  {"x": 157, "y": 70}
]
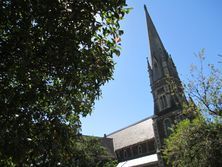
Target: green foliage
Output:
[
  {"x": 198, "y": 142},
  {"x": 112, "y": 163},
  {"x": 90, "y": 153},
  {"x": 195, "y": 143},
  {"x": 55, "y": 55},
  {"x": 6, "y": 162}
]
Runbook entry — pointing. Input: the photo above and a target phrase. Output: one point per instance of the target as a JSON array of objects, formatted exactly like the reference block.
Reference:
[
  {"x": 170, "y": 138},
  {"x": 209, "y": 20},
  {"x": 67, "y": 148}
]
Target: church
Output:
[{"x": 140, "y": 144}]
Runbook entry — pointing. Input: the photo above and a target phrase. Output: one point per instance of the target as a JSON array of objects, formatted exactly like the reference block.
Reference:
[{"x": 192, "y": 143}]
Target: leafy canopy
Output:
[
  {"x": 195, "y": 143},
  {"x": 55, "y": 55}
]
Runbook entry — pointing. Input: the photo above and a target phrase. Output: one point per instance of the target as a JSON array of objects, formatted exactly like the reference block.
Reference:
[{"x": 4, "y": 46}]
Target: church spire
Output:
[
  {"x": 154, "y": 39},
  {"x": 157, "y": 51},
  {"x": 162, "y": 71},
  {"x": 160, "y": 64}
]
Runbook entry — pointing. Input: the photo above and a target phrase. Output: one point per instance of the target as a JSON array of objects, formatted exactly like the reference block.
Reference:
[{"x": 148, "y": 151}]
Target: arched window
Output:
[
  {"x": 167, "y": 125},
  {"x": 118, "y": 154},
  {"x": 125, "y": 154},
  {"x": 163, "y": 102},
  {"x": 139, "y": 149},
  {"x": 156, "y": 71}
]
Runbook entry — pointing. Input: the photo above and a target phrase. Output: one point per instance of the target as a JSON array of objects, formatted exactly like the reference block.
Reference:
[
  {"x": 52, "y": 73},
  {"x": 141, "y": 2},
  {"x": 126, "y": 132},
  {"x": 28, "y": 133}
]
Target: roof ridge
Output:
[{"x": 131, "y": 125}]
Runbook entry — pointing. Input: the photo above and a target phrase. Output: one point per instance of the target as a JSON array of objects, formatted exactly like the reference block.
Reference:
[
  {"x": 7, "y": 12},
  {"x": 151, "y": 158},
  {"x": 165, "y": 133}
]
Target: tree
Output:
[
  {"x": 198, "y": 142},
  {"x": 195, "y": 143},
  {"x": 90, "y": 152},
  {"x": 55, "y": 56},
  {"x": 205, "y": 88}
]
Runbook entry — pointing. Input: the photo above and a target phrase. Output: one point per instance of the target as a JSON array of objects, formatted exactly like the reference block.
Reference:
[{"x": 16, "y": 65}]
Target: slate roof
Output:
[{"x": 132, "y": 134}]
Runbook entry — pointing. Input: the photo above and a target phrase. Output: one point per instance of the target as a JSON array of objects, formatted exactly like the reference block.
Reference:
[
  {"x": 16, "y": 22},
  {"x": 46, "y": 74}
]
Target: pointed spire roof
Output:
[
  {"x": 156, "y": 45},
  {"x": 160, "y": 64}
]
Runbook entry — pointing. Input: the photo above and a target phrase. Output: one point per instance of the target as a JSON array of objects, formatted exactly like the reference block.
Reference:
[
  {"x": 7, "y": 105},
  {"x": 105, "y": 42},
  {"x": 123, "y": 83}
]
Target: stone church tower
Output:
[{"x": 166, "y": 87}]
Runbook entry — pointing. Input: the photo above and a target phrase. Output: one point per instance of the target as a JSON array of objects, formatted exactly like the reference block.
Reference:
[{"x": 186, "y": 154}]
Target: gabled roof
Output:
[{"x": 132, "y": 134}]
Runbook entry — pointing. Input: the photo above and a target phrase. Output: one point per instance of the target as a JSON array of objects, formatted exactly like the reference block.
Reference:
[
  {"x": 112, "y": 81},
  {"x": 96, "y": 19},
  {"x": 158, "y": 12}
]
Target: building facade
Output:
[{"x": 140, "y": 144}]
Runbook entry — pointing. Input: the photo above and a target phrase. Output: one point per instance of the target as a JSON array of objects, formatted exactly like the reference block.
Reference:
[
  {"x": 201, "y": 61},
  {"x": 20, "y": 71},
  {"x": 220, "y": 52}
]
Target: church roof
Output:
[{"x": 132, "y": 134}]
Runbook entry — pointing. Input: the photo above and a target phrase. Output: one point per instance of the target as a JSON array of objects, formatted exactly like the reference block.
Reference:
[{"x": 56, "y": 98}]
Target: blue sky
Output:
[{"x": 185, "y": 27}]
